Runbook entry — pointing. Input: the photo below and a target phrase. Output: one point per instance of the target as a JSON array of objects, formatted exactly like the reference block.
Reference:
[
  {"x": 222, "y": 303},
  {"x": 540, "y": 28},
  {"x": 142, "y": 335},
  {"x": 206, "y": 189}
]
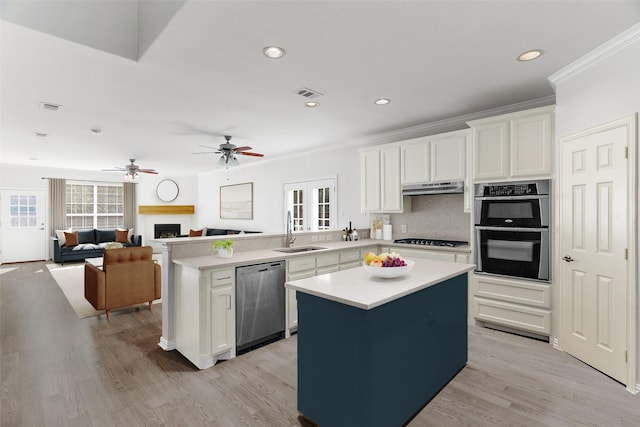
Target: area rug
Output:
[{"x": 70, "y": 279}]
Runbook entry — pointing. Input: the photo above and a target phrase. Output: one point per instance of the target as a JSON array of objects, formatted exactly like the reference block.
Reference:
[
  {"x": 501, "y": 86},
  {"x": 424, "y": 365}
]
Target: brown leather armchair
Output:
[{"x": 128, "y": 276}]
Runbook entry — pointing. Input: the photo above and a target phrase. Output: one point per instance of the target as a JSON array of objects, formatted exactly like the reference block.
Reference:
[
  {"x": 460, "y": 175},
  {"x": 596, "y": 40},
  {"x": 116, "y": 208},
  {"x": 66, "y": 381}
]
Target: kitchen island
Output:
[{"x": 373, "y": 352}]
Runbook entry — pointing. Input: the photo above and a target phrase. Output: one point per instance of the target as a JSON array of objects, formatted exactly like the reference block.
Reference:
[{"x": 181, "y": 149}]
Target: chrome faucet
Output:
[{"x": 290, "y": 239}]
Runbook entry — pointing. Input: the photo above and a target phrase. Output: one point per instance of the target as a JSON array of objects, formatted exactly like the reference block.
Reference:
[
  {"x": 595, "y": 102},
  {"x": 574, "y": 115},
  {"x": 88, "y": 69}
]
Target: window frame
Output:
[
  {"x": 309, "y": 207},
  {"x": 96, "y": 213}
]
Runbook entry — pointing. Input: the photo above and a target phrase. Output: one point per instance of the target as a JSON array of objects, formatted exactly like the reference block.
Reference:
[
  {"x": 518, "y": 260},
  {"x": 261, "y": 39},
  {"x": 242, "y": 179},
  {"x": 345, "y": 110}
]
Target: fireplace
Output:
[{"x": 163, "y": 231}]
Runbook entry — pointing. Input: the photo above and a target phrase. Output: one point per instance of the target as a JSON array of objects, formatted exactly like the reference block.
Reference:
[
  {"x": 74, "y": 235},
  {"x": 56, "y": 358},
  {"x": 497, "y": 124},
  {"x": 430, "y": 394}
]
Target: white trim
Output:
[
  {"x": 632, "y": 268},
  {"x": 605, "y": 50}
]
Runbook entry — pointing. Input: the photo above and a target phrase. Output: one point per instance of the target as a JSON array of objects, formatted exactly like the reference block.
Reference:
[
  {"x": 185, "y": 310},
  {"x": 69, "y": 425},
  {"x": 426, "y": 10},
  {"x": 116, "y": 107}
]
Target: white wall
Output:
[
  {"x": 146, "y": 195},
  {"x": 607, "y": 90},
  {"x": 268, "y": 178}
]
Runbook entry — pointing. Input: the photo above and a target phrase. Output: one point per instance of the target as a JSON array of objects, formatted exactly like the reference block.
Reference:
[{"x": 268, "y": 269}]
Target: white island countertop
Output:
[{"x": 355, "y": 287}]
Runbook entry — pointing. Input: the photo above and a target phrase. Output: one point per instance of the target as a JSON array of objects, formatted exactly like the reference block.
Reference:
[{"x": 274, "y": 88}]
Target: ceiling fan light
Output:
[
  {"x": 233, "y": 161},
  {"x": 130, "y": 176},
  {"x": 222, "y": 161}
]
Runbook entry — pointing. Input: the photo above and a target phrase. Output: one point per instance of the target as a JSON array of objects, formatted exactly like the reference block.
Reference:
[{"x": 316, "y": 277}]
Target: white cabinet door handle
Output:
[{"x": 228, "y": 302}]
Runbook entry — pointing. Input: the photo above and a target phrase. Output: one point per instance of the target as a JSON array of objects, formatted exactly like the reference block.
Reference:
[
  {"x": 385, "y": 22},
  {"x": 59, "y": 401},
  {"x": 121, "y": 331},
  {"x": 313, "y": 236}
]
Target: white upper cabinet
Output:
[
  {"x": 435, "y": 158},
  {"x": 370, "y": 180},
  {"x": 415, "y": 161},
  {"x": 448, "y": 157},
  {"x": 391, "y": 194},
  {"x": 513, "y": 145},
  {"x": 380, "y": 179}
]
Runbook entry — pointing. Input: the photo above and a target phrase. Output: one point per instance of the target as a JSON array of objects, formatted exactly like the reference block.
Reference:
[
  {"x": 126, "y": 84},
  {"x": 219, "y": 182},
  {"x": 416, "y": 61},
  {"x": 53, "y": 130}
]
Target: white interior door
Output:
[
  {"x": 23, "y": 236},
  {"x": 594, "y": 244}
]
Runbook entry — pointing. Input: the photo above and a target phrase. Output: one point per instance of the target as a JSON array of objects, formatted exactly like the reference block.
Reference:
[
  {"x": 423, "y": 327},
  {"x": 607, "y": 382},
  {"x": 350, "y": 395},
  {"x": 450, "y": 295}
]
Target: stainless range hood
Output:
[{"x": 435, "y": 188}]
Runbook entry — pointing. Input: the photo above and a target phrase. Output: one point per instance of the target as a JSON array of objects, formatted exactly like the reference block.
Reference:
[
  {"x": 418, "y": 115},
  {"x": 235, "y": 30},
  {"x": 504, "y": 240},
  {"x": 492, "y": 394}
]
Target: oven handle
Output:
[
  {"x": 523, "y": 197},
  {"x": 510, "y": 229}
]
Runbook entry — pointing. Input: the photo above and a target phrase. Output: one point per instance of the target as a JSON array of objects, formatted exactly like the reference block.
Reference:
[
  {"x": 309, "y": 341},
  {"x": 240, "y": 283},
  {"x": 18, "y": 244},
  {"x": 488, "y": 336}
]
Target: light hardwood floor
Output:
[{"x": 58, "y": 370}]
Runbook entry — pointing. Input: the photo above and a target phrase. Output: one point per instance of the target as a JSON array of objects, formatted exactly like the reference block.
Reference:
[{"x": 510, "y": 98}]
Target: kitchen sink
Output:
[{"x": 298, "y": 250}]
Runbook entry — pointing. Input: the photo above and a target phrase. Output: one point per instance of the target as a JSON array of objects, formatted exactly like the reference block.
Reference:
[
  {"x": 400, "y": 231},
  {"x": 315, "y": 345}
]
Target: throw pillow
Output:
[
  {"x": 122, "y": 236},
  {"x": 71, "y": 238},
  {"x": 60, "y": 236},
  {"x": 195, "y": 233},
  {"x": 129, "y": 234}
]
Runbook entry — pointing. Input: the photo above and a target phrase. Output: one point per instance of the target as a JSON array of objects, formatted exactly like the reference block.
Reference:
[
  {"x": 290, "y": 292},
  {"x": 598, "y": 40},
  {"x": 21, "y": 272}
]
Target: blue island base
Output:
[{"x": 379, "y": 367}]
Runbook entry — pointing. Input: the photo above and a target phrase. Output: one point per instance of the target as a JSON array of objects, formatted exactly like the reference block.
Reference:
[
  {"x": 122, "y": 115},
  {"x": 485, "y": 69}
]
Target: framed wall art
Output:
[{"x": 236, "y": 201}]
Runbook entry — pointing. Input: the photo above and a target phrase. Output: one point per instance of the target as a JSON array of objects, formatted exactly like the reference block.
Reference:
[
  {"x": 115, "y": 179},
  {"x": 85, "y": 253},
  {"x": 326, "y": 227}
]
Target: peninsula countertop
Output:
[
  {"x": 355, "y": 287},
  {"x": 241, "y": 258}
]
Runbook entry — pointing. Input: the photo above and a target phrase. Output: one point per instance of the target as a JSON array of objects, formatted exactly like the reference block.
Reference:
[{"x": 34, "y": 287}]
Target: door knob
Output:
[{"x": 568, "y": 258}]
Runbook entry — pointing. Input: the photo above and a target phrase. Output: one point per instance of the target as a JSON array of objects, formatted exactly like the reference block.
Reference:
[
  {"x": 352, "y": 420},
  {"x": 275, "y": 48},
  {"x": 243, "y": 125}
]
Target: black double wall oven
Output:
[{"x": 512, "y": 222}]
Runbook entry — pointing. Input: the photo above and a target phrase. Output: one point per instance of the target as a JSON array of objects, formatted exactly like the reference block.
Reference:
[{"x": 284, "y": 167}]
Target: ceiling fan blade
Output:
[
  {"x": 206, "y": 152},
  {"x": 147, "y": 171},
  {"x": 117, "y": 169},
  {"x": 247, "y": 153},
  {"x": 244, "y": 148},
  {"x": 210, "y": 148}
]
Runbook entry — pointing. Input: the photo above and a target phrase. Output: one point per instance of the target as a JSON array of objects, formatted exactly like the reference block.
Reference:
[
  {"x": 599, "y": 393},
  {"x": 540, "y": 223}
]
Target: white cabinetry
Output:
[
  {"x": 297, "y": 268},
  {"x": 513, "y": 146},
  {"x": 516, "y": 304},
  {"x": 223, "y": 319},
  {"x": 309, "y": 266},
  {"x": 415, "y": 163},
  {"x": 205, "y": 314},
  {"x": 436, "y": 255},
  {"x": 380, "y": 179},
  {"x": 350, "y": 259},
  {"x": 436, "y": 158}
]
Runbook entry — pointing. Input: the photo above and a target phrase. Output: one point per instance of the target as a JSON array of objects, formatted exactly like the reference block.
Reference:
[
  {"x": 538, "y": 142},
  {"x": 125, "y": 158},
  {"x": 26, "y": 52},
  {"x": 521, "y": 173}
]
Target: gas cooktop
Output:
[{"x": 431, "y": 242}]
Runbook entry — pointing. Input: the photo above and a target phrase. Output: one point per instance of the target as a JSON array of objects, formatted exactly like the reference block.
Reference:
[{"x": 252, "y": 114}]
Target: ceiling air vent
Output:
[
  {"x": 308, "y": 93},
  {"x": 49, "y": 106},
  {"x": 41, "y": 134}
]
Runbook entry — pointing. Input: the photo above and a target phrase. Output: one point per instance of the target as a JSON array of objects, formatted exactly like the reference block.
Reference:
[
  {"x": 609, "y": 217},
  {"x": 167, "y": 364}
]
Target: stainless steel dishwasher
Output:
[{"x": 260, "y": 304}]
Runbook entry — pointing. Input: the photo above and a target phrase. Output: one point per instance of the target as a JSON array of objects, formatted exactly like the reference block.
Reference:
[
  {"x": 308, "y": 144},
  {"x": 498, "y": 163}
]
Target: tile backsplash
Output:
[{"x": 436, "y": 216}]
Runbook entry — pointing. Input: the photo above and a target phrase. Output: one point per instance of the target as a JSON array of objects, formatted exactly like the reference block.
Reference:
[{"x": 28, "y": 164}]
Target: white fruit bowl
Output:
[{"x": 388, "y": 272}]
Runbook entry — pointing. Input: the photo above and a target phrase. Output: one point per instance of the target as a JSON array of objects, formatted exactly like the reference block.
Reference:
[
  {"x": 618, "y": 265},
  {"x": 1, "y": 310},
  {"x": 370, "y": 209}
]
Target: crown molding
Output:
[
  {"x": 618, "y": 43},
  {"x": 425, "y": 129},
  {"x": 453, "y": 123}
]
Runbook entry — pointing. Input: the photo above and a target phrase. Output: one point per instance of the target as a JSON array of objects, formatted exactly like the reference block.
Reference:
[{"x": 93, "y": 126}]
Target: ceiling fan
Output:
[
  {"x": 229, "y": 151},
  {"x": 131, "y": 170}
]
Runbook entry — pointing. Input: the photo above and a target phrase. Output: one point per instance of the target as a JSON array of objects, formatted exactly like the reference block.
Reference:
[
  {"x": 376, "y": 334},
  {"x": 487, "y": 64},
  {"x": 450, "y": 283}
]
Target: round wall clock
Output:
[{"x": 167, "y": 190}]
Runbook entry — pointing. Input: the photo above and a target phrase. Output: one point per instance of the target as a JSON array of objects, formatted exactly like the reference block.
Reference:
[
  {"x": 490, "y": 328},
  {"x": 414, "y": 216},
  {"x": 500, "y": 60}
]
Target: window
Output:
[
  {"x": 22, "y": 210},
  {"x": 94, "y": 206},
  {"x": 312, "y": 204}
]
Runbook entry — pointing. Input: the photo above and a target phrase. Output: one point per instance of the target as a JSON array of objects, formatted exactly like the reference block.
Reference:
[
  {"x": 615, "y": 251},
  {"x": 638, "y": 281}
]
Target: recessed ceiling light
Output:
[
  {"x": 382, "y": 101},
  {"x": 95, "y": 131},
  {"x": 273, "y": 52},
  {"x": 311, "y": 104},
  {"x": 529, "y": 55}
]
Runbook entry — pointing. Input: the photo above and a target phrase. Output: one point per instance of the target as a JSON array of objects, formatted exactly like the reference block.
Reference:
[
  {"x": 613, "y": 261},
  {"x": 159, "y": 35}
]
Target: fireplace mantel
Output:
[{"x": 166, "y": 209}]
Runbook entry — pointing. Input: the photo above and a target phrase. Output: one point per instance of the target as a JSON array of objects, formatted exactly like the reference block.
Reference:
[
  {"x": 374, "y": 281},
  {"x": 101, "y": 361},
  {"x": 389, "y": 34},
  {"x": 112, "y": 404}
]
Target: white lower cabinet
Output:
[
  {"x": 205, "y": 314},
  {"x": 309, "y": 266},
  {"x": 350, "y": 259},
  {"x": 222, "y": 319},
  {"x": 425, "y": 254},
  {"x": 516, "y": 304}
]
